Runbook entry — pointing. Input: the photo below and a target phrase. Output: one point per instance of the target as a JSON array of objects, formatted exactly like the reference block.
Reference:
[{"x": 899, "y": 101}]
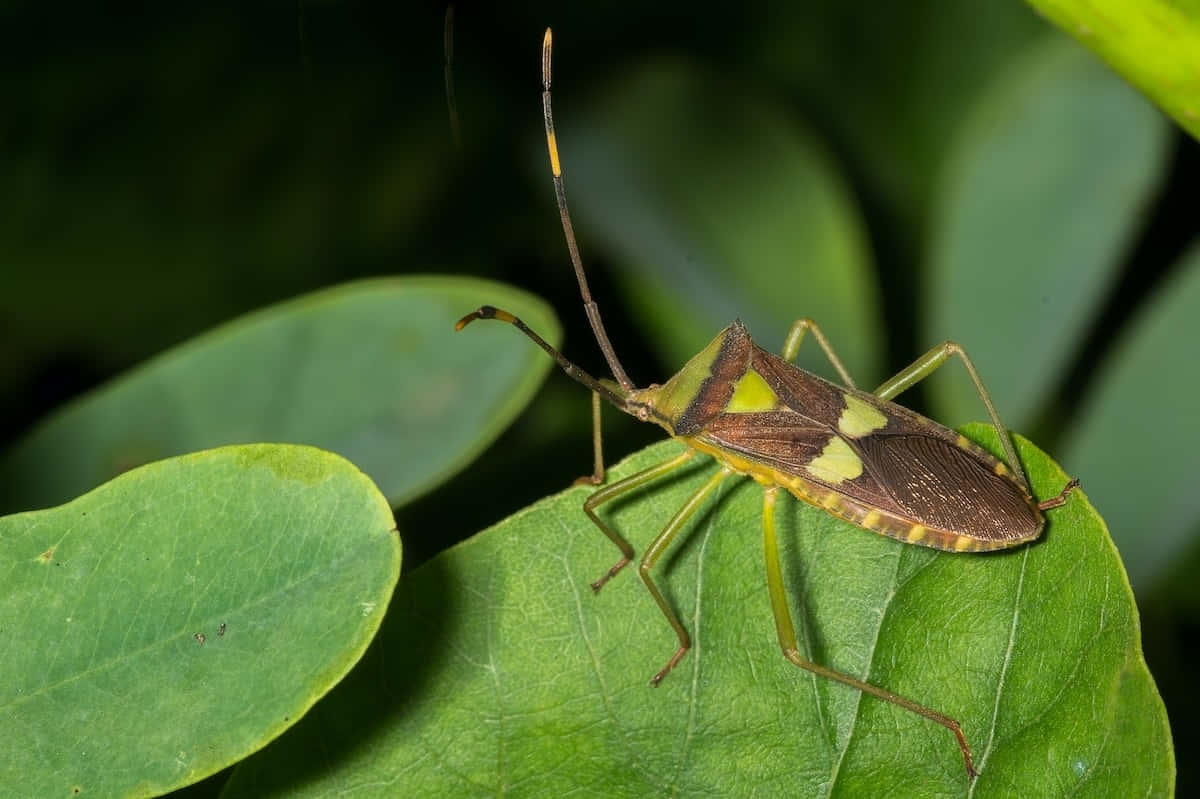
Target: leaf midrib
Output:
[{"x": 857, "y": 703}]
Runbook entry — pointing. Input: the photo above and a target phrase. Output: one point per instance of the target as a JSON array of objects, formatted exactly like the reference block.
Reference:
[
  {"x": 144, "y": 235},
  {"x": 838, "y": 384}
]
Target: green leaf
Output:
[
  {"x": 283, "y": 558},
  {"x": 1134, "y": 445},
  {"x": 717, "y": 206},
  {"x": 499, "y": 672},
  {"x": 371, "y": 370},
  {"x": 1155, "y": 44},
  {"x": 1045, "y": 189}
]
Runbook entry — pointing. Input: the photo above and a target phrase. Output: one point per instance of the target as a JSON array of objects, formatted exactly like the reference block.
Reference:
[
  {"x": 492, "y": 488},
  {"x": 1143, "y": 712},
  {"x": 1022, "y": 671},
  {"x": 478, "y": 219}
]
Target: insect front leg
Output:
[
  {"x": 655, "y": 551},
  {"x": 926, "y": 365},
  {"x": 786, "y": 633},
  {"x": 597, "y": 475},
  {"x": 795, "y": 336},
  {"x": 619, "y": 488}
]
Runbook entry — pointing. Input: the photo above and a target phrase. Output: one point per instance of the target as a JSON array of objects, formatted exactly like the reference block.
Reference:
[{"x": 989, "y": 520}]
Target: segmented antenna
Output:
[
  {"x": 589, "y": 305},
  {"x": 573, "y": 371}
]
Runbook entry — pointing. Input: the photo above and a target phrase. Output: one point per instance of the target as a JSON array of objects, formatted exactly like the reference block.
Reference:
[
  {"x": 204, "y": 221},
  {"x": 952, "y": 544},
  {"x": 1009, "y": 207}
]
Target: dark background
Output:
[{"x": 168, "y": 167}]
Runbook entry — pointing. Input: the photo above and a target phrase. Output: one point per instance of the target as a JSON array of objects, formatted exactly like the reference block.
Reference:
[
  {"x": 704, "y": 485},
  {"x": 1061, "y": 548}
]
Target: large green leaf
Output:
[
  {"x": 719, "y": 205},
  {"x": 499, "y": 672},
  {"x": 1155, "y": 44},
  {"x": 176, "y": 619},
  {"x": 1040, "y": 198},
  {"x": 371, "y": 370},
  {"x": 1135, "y": 444}
]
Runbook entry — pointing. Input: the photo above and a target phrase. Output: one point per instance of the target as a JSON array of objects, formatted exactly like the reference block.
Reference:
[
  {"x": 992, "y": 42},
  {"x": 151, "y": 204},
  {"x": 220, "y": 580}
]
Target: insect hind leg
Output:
[
  {"x": 1060, "y": 499},
  {"x": 786, "y": 633},
  {"x": 929, "y": 363}
]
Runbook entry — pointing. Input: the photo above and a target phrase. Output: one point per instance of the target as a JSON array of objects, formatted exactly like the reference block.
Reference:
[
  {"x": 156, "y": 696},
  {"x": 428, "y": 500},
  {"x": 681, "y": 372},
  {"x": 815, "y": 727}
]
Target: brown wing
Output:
[
  {"x": 912, "y": 467},
  {"x": 914, "y": 475},
  {"x": 944, "y": 486},
  {"x": 787, "y": 441}
]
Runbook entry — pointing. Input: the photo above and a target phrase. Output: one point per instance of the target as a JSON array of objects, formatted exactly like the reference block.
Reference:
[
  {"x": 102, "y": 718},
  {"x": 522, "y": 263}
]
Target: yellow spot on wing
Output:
[
  {"x": 751, "y": 394},
  {"x": 837, "y": 462},
  {"x": 860, "y": 418},
  {"x": 915, "y": 534}
]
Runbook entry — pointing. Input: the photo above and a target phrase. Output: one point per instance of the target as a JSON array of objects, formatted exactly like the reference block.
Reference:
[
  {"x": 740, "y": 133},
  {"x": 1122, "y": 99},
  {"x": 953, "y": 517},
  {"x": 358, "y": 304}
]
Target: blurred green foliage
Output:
[
  {"x": 1155, "y": 44},
  {"x": 372, "y": 370},
  {"x": 171, "y": 167}
]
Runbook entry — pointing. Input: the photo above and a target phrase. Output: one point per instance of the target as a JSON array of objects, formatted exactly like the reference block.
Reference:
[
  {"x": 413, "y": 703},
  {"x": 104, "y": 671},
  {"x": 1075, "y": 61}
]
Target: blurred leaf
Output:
[
  {"x": 1155, "y": 44},
  {"x": 372, "y": 370},
  {"x": 890, "y": 85},
  {"x": 1044, "y": 191},
  {"x": 168, "y": 170},
  {"x": 498, "y": 671},
  {"x": 1134, "y": 446},
  {"x": 282, "y": 558},
  {"x": 718, "y": 205}
]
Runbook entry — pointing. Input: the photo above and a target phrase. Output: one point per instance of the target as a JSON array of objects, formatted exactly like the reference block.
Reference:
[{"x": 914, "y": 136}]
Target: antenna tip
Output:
[
  {"x": 487, "y": 312},
  {"x": 546, "y": 41}
]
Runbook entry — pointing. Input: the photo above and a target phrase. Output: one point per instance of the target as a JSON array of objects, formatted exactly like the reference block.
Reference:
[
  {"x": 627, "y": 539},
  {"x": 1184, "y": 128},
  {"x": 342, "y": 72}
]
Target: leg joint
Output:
[{"x": 949, "y": 347}]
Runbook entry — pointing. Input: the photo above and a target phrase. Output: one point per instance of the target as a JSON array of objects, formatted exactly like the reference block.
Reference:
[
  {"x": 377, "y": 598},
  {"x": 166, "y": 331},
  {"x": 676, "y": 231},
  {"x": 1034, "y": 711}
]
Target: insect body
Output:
[
  {"x": 874, "y": 463},
  {"x": 855, "y": 454}
]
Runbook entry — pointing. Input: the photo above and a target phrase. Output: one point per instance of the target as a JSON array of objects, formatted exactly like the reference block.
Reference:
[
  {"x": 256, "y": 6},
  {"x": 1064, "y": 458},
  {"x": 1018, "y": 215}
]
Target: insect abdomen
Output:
[{"x": 893, "y": 524}]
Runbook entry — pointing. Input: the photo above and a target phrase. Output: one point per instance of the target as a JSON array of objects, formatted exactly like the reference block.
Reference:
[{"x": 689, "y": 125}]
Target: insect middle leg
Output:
[
  {"x": 786, "y": 633},
  {"x": 655, "y": 551},
  {"x": 617, "y": 489},
  {"x": 926, "y": 365},
  {"x": 795, "y": 337}
]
